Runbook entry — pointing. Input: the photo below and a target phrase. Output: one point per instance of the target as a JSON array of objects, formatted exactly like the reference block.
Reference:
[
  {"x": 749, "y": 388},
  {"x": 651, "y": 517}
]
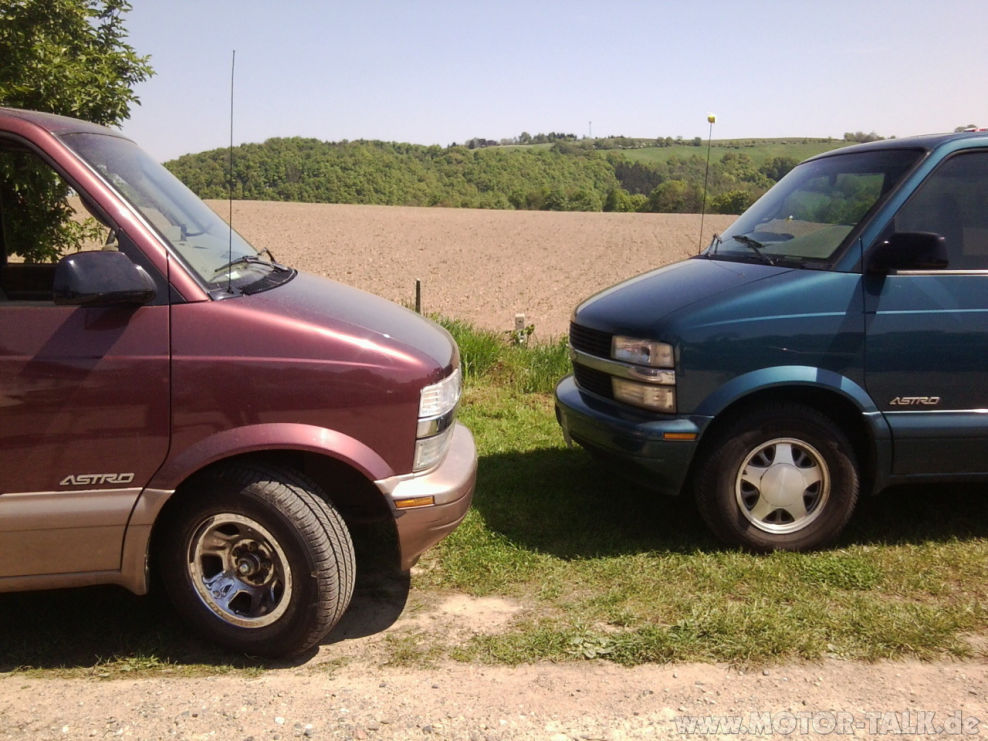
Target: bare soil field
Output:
[{"x": 478, "y": 265}]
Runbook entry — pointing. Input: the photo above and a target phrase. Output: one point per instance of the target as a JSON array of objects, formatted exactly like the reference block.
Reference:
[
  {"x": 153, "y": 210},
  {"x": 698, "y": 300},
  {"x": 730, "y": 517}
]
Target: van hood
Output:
[
  {"x": 640, "y": 305},
  {"x": 367, "y": 323}
]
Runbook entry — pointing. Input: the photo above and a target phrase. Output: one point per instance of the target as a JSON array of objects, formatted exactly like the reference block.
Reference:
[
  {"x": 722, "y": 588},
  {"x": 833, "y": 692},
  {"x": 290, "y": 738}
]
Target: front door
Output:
[
  {"x": 927, "y": 331},
  {"x": 84, "y": 402}
]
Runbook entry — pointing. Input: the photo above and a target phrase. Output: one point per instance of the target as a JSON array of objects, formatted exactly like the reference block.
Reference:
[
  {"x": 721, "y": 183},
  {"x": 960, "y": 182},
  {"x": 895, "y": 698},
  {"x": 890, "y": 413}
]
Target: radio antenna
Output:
[
  {"x": 711, "y": 119},
  {"x": 229, "y": 274}
]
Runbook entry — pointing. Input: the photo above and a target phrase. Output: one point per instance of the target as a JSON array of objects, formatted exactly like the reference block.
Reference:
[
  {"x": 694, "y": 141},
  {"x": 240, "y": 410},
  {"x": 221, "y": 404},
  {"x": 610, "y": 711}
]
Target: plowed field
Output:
[{"x": 482, "y": 266}]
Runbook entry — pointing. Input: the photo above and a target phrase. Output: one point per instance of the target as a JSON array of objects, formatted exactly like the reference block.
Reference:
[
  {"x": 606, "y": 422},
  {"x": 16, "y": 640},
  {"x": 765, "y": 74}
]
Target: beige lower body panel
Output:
[
  {"x": 65, "y": 539},
  {"x": 450, "y": 486}
]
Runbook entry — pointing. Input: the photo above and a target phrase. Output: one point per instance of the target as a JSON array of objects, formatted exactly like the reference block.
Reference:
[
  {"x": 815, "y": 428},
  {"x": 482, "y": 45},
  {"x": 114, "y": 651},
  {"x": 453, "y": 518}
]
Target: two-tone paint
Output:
[{"x": 105, "y": 412}]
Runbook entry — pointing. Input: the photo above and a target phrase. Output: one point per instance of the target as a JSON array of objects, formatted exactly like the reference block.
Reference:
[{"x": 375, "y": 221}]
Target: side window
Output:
[
  {"x": 41, "y": 219},
  {"x": 953, "y": 202}
]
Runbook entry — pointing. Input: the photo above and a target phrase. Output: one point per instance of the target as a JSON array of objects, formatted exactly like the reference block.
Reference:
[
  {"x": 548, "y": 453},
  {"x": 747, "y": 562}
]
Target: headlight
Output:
[
  {"x": 437, "y": 413},
  {"x": 641, "y": 383},
  {"x": 430, "y": 450},
  {"x": 439, "y": 398},
  {"x": 642, "y": 352},
  {"x": 657, "y": 398}
]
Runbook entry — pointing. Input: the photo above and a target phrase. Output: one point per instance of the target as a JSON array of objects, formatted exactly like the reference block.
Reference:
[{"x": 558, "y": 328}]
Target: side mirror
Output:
[
  {"x": 908, "y": 251},
  {"x": 101, "y": 278}
]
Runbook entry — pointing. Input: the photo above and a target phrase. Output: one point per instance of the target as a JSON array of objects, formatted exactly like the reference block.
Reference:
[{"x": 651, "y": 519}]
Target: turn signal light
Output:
[{"x": 413, "y": 502}]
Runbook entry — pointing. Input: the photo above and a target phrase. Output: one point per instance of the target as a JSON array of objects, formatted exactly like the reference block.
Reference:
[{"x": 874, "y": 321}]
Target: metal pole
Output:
[{"x": 703, "y": 209}]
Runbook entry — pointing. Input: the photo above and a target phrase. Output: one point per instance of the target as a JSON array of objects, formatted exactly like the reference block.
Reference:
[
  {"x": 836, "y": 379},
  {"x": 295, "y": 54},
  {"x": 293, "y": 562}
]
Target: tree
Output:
[
  {"x": 735, "y": 168},
  {"x": 777, "y": 167},
  {"x": 618, "y": 199},
  {"x": 860, "y": 136},
  {"x": 69, "y": 57},
  {"x": 731, "y": 202},
  {"x": 675, "y": 196}
]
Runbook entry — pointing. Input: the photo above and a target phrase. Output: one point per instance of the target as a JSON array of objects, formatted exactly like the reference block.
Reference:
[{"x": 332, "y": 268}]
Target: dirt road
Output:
[{"x": 331, "y": 698}]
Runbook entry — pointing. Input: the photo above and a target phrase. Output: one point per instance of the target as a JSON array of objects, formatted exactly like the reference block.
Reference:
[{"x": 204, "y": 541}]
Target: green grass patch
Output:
[
  {"x": 761, "y": 151},
  {"x": 504, "y": 360},
  {"x": 106, "y": 633}
]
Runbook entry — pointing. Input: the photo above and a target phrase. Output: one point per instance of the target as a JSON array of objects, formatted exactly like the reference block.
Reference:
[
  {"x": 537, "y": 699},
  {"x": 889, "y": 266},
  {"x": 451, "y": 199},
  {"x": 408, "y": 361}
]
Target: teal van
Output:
[{"x": 832, "y": 342}]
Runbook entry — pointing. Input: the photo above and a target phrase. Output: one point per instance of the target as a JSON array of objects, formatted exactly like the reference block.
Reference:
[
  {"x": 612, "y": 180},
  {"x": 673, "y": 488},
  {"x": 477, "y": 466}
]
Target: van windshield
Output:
[
  {"x": 219, "y": 256},
  {"x": 807, "y": 217}
]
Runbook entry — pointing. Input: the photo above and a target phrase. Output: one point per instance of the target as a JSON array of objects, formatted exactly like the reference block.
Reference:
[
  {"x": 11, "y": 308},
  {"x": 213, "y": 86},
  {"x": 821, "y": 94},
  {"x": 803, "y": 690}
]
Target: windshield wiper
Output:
[
  {"x": 248, "y": 260},
  {"x": 755, "y": 247},
  {"x": 275, "y": 275}
]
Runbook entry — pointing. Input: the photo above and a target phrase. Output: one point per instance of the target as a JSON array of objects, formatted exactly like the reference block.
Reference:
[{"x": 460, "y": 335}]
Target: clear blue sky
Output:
[{"x": 437, "y": 72}]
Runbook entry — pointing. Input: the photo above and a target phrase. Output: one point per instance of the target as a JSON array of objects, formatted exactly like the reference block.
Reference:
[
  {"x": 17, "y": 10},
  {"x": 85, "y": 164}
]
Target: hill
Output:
[{"x": 609, "y": 174}]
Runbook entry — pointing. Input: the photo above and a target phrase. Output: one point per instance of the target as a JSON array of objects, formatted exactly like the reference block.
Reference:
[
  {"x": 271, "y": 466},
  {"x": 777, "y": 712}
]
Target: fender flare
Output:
[
  {"x": 269, "y": 437},
  {"x": 785, "y": 375},
  {"x": 802, "y": 376}
]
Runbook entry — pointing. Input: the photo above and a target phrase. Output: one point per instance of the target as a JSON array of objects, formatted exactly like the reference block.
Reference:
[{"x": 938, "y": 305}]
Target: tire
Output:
[
  {"x": 781, "y": 478},
  {"x": 255, "y": 559}
]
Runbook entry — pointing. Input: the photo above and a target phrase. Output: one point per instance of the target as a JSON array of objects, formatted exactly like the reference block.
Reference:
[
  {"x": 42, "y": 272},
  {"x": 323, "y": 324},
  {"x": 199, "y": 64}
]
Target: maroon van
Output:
[{"x": 170, "y": 396}]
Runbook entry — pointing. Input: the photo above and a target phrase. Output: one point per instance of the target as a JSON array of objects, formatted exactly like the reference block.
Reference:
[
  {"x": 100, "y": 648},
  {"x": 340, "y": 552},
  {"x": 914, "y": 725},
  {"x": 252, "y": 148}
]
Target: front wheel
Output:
[
  {"x": 257, "y": 560},
  {"x": 781, "y": 478}
]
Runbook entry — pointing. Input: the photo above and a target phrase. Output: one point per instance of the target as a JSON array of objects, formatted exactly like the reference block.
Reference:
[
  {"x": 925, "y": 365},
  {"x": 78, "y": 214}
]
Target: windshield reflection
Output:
[
  {"x": 808, "y": 216},
  {"x": 206, "y": 243}
]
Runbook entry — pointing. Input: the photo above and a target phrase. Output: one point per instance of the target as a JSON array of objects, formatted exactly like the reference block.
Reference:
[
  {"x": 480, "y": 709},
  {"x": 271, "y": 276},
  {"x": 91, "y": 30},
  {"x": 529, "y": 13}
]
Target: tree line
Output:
[{"x": 568, "y": 176}]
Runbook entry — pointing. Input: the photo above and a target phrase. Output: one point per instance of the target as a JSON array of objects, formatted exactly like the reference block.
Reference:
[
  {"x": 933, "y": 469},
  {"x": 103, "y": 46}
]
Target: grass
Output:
[
  {"x": 500, "y": 360},
  {"x": 602, "y": 568},
  {"x": 760, "y": 151},
  {"x": 104, "y": 633},
  {"x": 607, "y": 569}
]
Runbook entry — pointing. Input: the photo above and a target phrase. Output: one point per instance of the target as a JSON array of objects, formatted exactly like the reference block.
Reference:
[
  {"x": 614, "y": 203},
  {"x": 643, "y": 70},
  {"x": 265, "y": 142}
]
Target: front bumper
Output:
[
  {"x": 449, "y": 486},
  {"x": 638, "y": 442}
]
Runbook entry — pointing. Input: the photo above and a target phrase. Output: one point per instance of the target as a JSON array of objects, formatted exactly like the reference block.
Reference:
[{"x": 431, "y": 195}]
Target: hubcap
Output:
[
  {"x": 782, "y": 486},
  {"x": 239, "y": 571}
]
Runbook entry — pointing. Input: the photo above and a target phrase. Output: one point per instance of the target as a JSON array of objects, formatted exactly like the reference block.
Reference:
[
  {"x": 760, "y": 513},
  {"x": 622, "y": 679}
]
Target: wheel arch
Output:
[
  {"x": 347, "y": 487},
  {"x": 835, "y": 396},
  {"x": 346, "y": 481},
  {"x": 269, "y": 438}
]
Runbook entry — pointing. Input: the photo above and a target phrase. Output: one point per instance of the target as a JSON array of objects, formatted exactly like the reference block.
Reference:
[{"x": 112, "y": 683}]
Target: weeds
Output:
[{"x": 501, "y": 360}]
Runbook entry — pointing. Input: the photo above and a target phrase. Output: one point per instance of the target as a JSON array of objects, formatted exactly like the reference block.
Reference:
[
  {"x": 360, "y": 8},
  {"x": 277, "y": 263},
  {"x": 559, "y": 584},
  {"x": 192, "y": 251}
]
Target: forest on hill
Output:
[{"x": 547, "y": 172}]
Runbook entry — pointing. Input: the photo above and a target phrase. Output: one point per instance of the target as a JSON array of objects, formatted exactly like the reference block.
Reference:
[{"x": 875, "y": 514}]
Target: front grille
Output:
[
  {"x": 594, "y": 381},
  {"x": 590, "y": 341}
]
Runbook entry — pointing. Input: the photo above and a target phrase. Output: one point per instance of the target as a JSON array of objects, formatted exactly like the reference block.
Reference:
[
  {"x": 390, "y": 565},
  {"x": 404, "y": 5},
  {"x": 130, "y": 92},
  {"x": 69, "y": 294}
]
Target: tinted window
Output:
[
  {"x": 953, "y": 202},
  {"x": 216, "y": 253}
]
